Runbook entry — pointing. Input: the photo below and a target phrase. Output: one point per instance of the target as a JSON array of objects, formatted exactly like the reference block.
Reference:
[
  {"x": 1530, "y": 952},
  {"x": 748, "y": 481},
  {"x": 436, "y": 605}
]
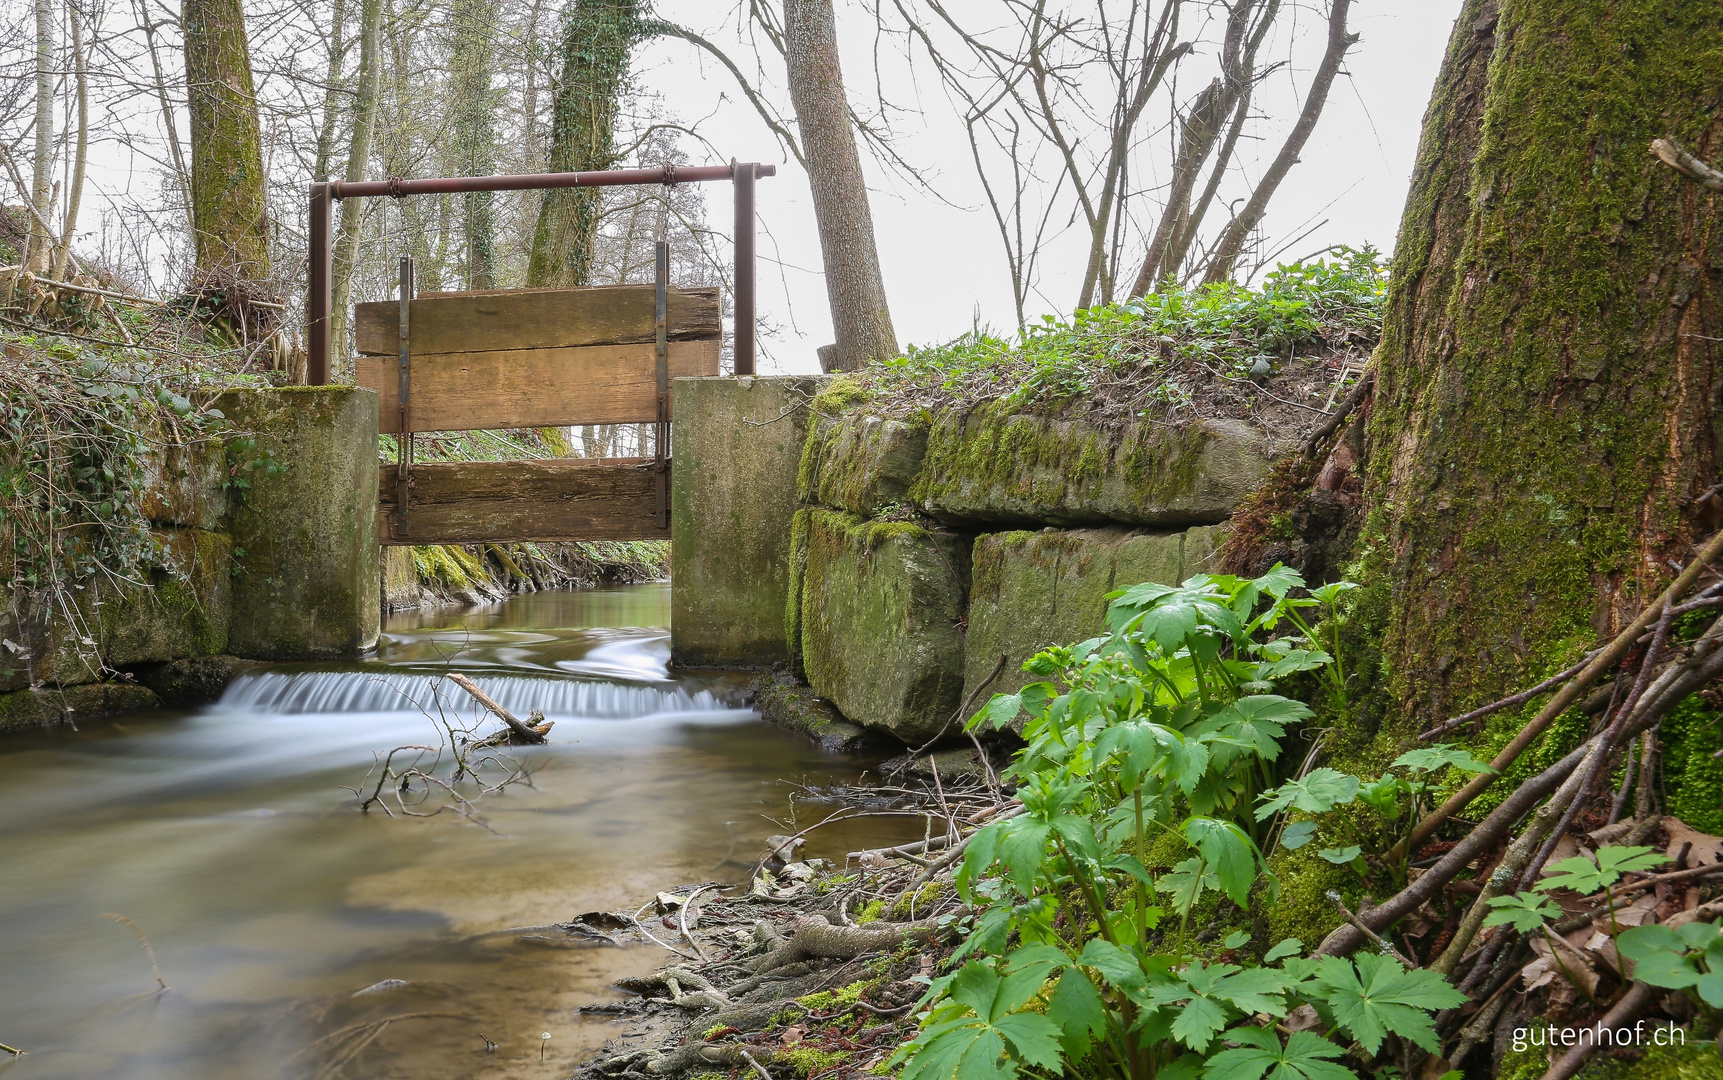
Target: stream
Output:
[{"x": 226, "y": 836}]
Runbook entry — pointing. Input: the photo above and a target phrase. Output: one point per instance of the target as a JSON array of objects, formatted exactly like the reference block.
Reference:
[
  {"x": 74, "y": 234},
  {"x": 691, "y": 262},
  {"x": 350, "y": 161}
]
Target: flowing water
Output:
[{"x": 226, "y": 837}]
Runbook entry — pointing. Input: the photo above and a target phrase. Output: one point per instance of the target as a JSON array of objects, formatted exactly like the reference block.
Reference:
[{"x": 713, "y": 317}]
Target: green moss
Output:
[
  {"x": 1692, "y": 778},
  {"x": 870, "y": 912},
  {"x": 805, "y": 1061},
  {"x": 1697, "y": 1059},
  {"x": 915, "y": 903}
]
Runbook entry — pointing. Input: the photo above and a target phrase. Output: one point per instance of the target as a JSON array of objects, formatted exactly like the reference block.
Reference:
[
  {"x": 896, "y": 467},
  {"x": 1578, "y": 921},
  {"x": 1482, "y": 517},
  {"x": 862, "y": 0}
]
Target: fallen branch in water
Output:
[{"x": 527, "y": 735}]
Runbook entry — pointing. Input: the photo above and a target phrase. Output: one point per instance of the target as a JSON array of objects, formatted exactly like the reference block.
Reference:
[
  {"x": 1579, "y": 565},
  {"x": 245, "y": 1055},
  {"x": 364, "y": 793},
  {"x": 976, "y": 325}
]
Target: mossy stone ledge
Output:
[
  {"x": 881, "y": 616},
  {"x": 861, "y": 463},
  {"x": 991, "y": 466}
]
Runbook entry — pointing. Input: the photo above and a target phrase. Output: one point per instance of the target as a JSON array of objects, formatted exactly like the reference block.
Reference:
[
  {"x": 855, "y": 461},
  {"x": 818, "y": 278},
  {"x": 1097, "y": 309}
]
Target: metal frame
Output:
[{"x": 324, "y": 194}]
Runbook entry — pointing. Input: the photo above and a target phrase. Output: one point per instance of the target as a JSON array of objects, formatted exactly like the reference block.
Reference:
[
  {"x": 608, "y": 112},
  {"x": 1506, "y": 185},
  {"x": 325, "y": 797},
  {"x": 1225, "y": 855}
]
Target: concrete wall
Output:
[
  {"x": 736, "y": 446},
  {"x": 263, "y": 547}
]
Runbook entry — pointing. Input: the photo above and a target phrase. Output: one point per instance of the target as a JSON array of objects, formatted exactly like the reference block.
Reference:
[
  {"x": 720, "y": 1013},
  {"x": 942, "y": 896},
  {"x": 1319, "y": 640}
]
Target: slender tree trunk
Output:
[
  {"x": 81, "y": 151},
  {"x": 332, "y": 92},
  {"x": 855, "y": 290},
  {"x": 596, "y": 41},
  {"x": 346, "y": 253},
  {"x": 42, "y": 172},
  {"x": 474, "y": 107},
  {"x": 1231, "y": 243},
  {"x": 229, "y": 216},
  {"x": 170, "y": 127},
  {"x": 1544, "y": 421}
]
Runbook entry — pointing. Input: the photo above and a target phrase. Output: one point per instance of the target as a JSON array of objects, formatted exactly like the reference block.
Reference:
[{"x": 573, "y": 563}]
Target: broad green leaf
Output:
[
  {"x": 1583, "y": 876},
  {"x": 998, "y": 713},
  {"x": 1118, "y": 967},
  {"x": 1710, "y": 988},
  {"x": 1186, "y": 881},
  {"x": 1666, "y": 969},
  {"x": 1432, "y": 758},
  {"x": 1383, "y": 795},
  {"x": 1238, "y": 939},
  {"x": 1323, "y": 789},
  {"x": 1021, "y": 849},
  {"x": 1289, "y": 947},
  {"x": 1034, "y": 1038},
  {"x": 1372, "y": 995},
  {"x": 1525, "y": 911},
  {"x": 1297, "y": 834},
  {"x": 1340, "y": 856},
  {"x": 1226, "y": 848},
  {"x": 1697, "y": 935},
  {"x": 1304, "y": 1057},
  {"x": 1198, "y": 1022},
  {"x": 1076, "y": 1007}
]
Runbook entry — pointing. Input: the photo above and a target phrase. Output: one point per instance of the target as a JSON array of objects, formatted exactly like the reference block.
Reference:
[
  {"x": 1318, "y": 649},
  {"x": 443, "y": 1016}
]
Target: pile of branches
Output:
[
  {"x": 813, "y": 970},
  {"x": 1628, "y": 686}
]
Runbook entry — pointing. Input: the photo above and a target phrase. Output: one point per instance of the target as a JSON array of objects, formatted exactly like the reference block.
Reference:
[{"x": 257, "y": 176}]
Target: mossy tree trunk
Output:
[
  {"x": 1544, "y": 420},
  {"x": 229, "y": 216},
  {"x": 596, "y": 40},
  {"x": 474, "y": 104}
]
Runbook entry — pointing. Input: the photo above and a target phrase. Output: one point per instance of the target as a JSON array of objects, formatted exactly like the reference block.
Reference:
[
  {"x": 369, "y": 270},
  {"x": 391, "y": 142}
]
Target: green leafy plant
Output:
[
  {"x": 1688, "y": 958},
  {"x": 1165, "y": 728}
]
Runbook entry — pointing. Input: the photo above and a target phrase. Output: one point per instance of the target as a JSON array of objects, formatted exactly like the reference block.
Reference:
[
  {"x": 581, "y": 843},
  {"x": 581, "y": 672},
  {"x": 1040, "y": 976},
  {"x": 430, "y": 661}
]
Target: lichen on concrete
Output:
[
  {"x": 737, "y": 445},
  {"x": 305, "y": 528}
]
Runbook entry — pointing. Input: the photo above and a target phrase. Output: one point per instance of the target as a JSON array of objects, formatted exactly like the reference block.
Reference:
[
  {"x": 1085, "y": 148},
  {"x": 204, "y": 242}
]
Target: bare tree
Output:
[
  {"x": 855, "y": 288},
  {"x": 42, "y": 172},
  {"x": 358, "y": 162},
  {"x": 474, "y": 107},
  {"x": 1231, "y": 243}
]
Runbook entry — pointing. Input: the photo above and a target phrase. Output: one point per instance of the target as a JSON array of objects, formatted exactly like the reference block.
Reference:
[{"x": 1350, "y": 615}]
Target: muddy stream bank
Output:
[{"x": 226, "y": 835}]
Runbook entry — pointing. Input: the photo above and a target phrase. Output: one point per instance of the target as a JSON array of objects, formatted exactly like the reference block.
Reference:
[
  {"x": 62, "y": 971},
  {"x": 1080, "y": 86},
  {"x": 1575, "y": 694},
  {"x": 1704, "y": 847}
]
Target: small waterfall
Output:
[{"x": 381, "y": 692}]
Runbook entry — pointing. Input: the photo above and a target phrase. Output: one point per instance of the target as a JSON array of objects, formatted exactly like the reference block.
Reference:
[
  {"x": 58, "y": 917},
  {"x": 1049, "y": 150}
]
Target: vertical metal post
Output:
[
  {"x": 317, "y": 296},
  {"x": 742, "y": 179},
  {"x": 403, "y": 397},
  {"x": 661, "y": 352}
]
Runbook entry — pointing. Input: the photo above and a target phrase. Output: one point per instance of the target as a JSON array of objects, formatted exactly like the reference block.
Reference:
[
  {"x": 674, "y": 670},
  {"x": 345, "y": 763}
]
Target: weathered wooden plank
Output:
[
  {"x": 503, "y": 319},
  {"x": 597, "y": 384},
  {"x": 471, "y": 502}
]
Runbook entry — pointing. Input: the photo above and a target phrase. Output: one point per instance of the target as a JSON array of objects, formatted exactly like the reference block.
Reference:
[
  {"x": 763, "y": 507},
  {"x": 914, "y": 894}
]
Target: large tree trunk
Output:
[
  {"x": 1545, "y": 407},
  {"x": 474, "y": 106},
  {"x": 229, "y": 217},
  {"x": 595, "y": 45},
  {"x": 854, "y": 288}
]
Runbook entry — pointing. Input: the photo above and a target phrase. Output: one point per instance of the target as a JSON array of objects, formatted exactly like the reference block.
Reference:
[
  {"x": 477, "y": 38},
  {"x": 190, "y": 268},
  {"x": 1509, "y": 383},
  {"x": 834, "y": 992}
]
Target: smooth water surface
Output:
[{"x": 269, "y": 900}]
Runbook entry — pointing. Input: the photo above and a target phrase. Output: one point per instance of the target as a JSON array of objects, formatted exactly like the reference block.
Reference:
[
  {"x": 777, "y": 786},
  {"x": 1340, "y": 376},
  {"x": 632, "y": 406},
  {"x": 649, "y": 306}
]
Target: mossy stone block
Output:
[
  {"x": 23, "y": 709},
  {"x": 400, "y": 579},
  {"x": 990, "y": 465},
  {"x": 860, "y": 463},
  {"x": 882, "y": 607},
  {"x": 787, "y": 703},
  {"x": 184, "y": 612},
  {"x": 305, "y": 526},
  {"x": 192, "y": 681},
  {"x": 1032, "y": 590},
  {"x": 737, "y": 443},
  {"x": 185, "y": 484}
]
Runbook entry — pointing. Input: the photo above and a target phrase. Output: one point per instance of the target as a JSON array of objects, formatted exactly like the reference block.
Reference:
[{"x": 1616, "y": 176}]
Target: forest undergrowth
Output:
[{"x": 1098, "y": 906}]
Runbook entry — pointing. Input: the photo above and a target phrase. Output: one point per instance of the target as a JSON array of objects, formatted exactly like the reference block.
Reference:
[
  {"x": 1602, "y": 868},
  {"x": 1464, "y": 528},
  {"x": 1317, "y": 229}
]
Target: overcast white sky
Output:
[{"x": 943, "y": 264}]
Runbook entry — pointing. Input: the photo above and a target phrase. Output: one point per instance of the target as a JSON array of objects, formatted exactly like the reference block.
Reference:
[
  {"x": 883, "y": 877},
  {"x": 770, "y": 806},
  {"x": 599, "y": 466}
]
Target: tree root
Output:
[{"x": 818, "y": 939}]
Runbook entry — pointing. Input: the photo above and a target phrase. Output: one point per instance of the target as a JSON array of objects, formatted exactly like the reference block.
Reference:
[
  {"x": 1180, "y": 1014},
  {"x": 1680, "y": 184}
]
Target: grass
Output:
[{"x": 1152, "y": 339}]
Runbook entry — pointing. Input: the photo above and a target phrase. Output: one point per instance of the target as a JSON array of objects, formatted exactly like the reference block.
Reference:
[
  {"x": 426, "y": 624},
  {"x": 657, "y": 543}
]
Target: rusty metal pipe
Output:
[
  {"x": 743, "y": 264},
  {"x": 317, "y": 298},
  {"x": 319, "y": 301},
  {"x": 448, "y": 185}
]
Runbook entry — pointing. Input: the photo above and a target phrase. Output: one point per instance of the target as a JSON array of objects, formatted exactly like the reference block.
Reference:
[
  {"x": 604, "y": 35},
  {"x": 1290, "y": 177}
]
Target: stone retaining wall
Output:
[
  {"x": 923, "y": 550},
  {"x": 281, "y": 567}
]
